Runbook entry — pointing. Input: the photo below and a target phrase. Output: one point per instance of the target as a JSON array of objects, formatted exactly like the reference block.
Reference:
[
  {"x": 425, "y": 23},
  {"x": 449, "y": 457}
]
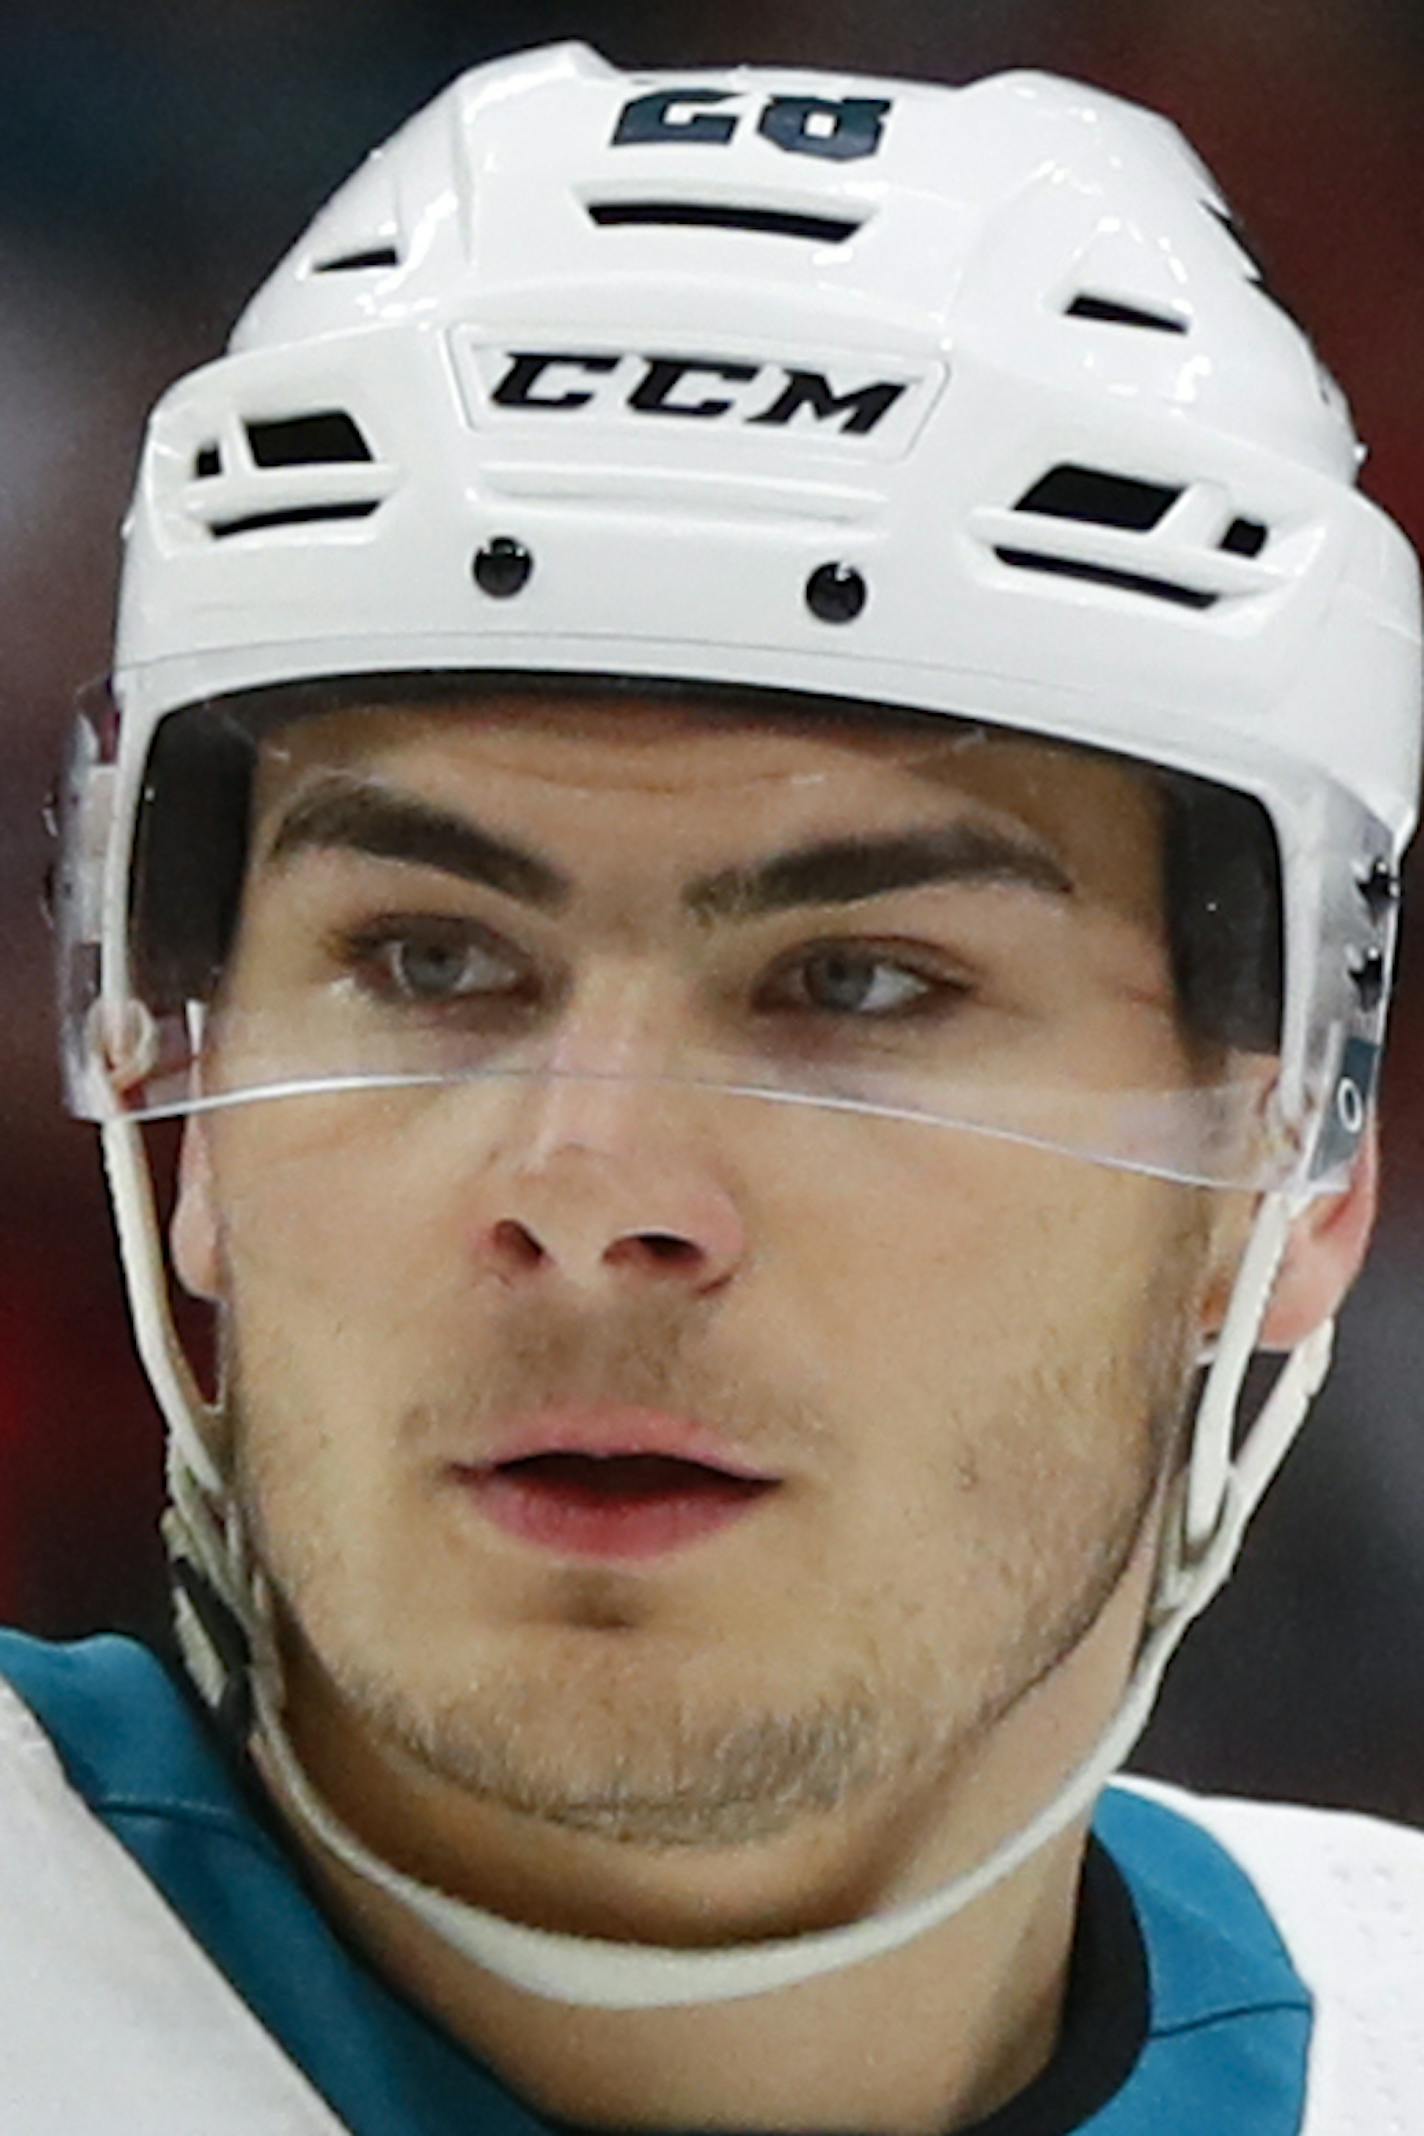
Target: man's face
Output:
[{"x": 648, "y": 1455}]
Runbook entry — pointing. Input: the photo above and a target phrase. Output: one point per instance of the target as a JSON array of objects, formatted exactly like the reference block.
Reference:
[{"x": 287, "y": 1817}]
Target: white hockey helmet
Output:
[
  {"x": 946, "y": 401},
  {"x": 967, "y": 401}
]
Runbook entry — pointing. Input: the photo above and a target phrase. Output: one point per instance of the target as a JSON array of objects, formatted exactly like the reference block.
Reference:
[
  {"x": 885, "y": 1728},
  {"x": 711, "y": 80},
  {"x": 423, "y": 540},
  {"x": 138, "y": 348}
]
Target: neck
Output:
[{"x": 930, "y": 2037}]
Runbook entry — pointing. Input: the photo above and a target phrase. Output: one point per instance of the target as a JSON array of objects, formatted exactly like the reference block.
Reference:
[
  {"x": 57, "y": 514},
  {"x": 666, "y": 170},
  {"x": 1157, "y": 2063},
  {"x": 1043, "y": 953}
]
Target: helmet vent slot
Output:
[
  {"x": 1111, "y": 311},
  {"x": 294, "y": 515},
  {"x": 207, "y": 462},
  {"x": 1257, "y": 273},
  {"x": 1099, "y": 498},
  {"x": 1244, "y": 537},
  {"x": 307, "y": 440},
  {"x": 1105, "y": 575},
  {"x": 359, "y": 262},
  {"x": 720, "y": 215}
]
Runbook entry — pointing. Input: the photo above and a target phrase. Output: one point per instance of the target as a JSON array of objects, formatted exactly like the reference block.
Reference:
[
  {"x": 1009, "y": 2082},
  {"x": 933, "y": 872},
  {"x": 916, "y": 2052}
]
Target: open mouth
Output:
[{"x": 612, "y": 1505}]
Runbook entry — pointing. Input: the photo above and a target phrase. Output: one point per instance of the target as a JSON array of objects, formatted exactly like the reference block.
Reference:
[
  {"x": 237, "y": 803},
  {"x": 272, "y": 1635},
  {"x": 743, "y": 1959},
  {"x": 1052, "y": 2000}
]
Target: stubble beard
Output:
[{"x": 674, "y": 1748}]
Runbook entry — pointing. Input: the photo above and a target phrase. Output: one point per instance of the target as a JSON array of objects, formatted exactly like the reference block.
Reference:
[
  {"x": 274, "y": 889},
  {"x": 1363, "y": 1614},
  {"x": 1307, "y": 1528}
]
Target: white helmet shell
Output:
[{"x": 709, "y": 334}]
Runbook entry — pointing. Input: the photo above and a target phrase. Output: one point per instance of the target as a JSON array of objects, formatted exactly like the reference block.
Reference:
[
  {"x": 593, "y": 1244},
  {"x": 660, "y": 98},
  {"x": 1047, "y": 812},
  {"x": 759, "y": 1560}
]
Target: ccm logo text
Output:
[{"x": 768, "y": 395}]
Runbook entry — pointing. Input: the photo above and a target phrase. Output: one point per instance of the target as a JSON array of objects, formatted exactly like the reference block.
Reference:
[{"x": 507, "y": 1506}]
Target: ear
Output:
[
  {"x": 1327, "y": 1246},
  {"x": 193, "y": 1233}
]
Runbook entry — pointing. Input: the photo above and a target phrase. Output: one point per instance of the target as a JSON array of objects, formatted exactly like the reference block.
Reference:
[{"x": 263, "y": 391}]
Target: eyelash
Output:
[{"x": 361, "y": 954}]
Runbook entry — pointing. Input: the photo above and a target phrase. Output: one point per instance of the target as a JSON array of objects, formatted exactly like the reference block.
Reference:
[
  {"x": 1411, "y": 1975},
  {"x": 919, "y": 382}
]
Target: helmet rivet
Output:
[
  {"x": 836, "y": 593},
  {"x": 1378, "y": 885},
  {"x": 1350, "y": 1106},
  {"x": 502, "y": 567}
]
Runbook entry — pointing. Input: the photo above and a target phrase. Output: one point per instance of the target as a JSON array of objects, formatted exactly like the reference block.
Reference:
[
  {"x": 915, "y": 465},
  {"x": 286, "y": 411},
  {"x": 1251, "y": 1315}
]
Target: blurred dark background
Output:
[{"x": 155, "y": 159}]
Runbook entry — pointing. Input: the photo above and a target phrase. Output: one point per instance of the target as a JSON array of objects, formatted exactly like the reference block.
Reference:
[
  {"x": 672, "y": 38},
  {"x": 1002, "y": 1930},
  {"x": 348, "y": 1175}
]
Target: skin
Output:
[{"x": 861, "y": 1686}]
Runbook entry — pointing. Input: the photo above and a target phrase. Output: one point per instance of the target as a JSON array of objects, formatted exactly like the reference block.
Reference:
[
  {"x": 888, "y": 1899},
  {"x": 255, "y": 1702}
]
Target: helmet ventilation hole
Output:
[
  {"x": 359, "y": 262},
  {"x": 1112, "y": 311},
  {"x": 1102, "y": 499},
  {"x": 290, "y": 486},
  {"x": 315, "y": 440},
  {"x": 1130, "y": 505},
  {"x": 1107, "y": 575},
  {"x": 1244, "y": 537},
  {"x": 294, "y": 515},
  {"x": 719, "y": 215}
]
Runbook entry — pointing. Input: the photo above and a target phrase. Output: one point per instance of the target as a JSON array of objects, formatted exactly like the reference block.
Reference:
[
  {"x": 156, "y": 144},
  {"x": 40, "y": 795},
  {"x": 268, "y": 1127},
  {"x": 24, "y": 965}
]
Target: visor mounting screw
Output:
[
  {"x": 502, "y": 567},
  {"x": 1367, "y": 978},
  {"x": 1378, "y": 885},
  {"x": 836, "y": 593},
  {"x": 1350, "y": 1107}
]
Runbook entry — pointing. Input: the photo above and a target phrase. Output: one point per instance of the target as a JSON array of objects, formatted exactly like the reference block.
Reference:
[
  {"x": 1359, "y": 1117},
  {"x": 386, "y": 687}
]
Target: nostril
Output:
[
  {"x": 661, "y": 1248},
  {"x": 514, "y": 1245}
]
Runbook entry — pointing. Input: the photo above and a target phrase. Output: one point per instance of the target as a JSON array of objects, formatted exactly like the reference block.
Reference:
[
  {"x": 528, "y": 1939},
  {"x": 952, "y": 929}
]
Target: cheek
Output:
[
  {"x": 932, "y": 1269},
  {"x": 322, "y": 1201},
  {"x": 352, "y": 1314}
]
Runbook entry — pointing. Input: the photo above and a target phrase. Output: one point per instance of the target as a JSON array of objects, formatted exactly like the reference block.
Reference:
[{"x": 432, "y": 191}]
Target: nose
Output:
[{"x": 605, "y": 1195}]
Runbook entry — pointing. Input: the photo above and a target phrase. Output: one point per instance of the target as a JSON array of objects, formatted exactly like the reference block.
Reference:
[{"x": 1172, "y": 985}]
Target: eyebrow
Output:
[
  {"x": 345, "y": 814},
  {"x": 840, "y": 871}
]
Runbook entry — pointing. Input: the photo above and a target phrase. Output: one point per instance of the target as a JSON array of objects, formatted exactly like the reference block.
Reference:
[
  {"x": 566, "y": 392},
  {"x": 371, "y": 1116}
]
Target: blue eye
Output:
[
  {"x": 843, "y": 980},
  {"x": 434, "y": 971},
  {"x": 434, "y": 961}
]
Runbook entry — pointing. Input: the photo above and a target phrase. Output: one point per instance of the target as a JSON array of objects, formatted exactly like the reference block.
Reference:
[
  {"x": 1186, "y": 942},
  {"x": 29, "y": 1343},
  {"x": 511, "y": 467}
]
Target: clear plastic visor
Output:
[{"x": 903, "y": 916}]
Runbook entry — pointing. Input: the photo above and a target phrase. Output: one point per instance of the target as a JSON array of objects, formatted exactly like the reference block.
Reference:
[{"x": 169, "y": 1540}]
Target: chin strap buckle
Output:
[{"x": 229, "y": 1649}]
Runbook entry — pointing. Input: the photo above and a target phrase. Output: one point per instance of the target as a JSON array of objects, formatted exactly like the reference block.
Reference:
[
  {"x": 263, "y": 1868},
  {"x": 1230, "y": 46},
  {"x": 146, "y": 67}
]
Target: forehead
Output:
[{"x": 719, "y": 776}]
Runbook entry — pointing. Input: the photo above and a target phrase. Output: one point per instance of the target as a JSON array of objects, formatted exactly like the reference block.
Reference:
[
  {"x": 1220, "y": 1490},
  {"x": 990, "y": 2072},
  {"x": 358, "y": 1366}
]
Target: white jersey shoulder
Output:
[
  {"x": 1346, "y": 1893},
  {"x": 113, "y": 2022}
]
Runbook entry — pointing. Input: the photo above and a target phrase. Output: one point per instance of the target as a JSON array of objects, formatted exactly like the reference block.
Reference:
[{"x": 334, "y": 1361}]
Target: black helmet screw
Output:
[
  {"x": 836, "y": 593},
  {"x": 502, "y": 567}
]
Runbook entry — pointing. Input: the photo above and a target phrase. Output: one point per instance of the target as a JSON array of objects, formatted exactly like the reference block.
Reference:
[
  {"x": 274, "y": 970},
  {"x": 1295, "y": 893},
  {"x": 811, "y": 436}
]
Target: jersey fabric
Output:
[{"x": 1240, "y": 1969}]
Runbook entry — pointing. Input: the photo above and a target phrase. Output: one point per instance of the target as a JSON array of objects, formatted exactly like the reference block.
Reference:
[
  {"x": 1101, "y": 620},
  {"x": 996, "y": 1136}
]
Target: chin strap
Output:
[{"x": 225, "y": 1630}]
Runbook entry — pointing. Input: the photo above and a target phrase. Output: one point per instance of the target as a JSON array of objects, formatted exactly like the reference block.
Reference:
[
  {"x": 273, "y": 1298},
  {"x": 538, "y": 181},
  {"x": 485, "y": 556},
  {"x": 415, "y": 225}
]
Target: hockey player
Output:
[{"x": 751, "y": 818}]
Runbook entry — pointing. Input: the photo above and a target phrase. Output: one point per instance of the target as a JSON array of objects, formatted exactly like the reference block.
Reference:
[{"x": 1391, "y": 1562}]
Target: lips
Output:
[{"x": 612, "y": 1484}]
